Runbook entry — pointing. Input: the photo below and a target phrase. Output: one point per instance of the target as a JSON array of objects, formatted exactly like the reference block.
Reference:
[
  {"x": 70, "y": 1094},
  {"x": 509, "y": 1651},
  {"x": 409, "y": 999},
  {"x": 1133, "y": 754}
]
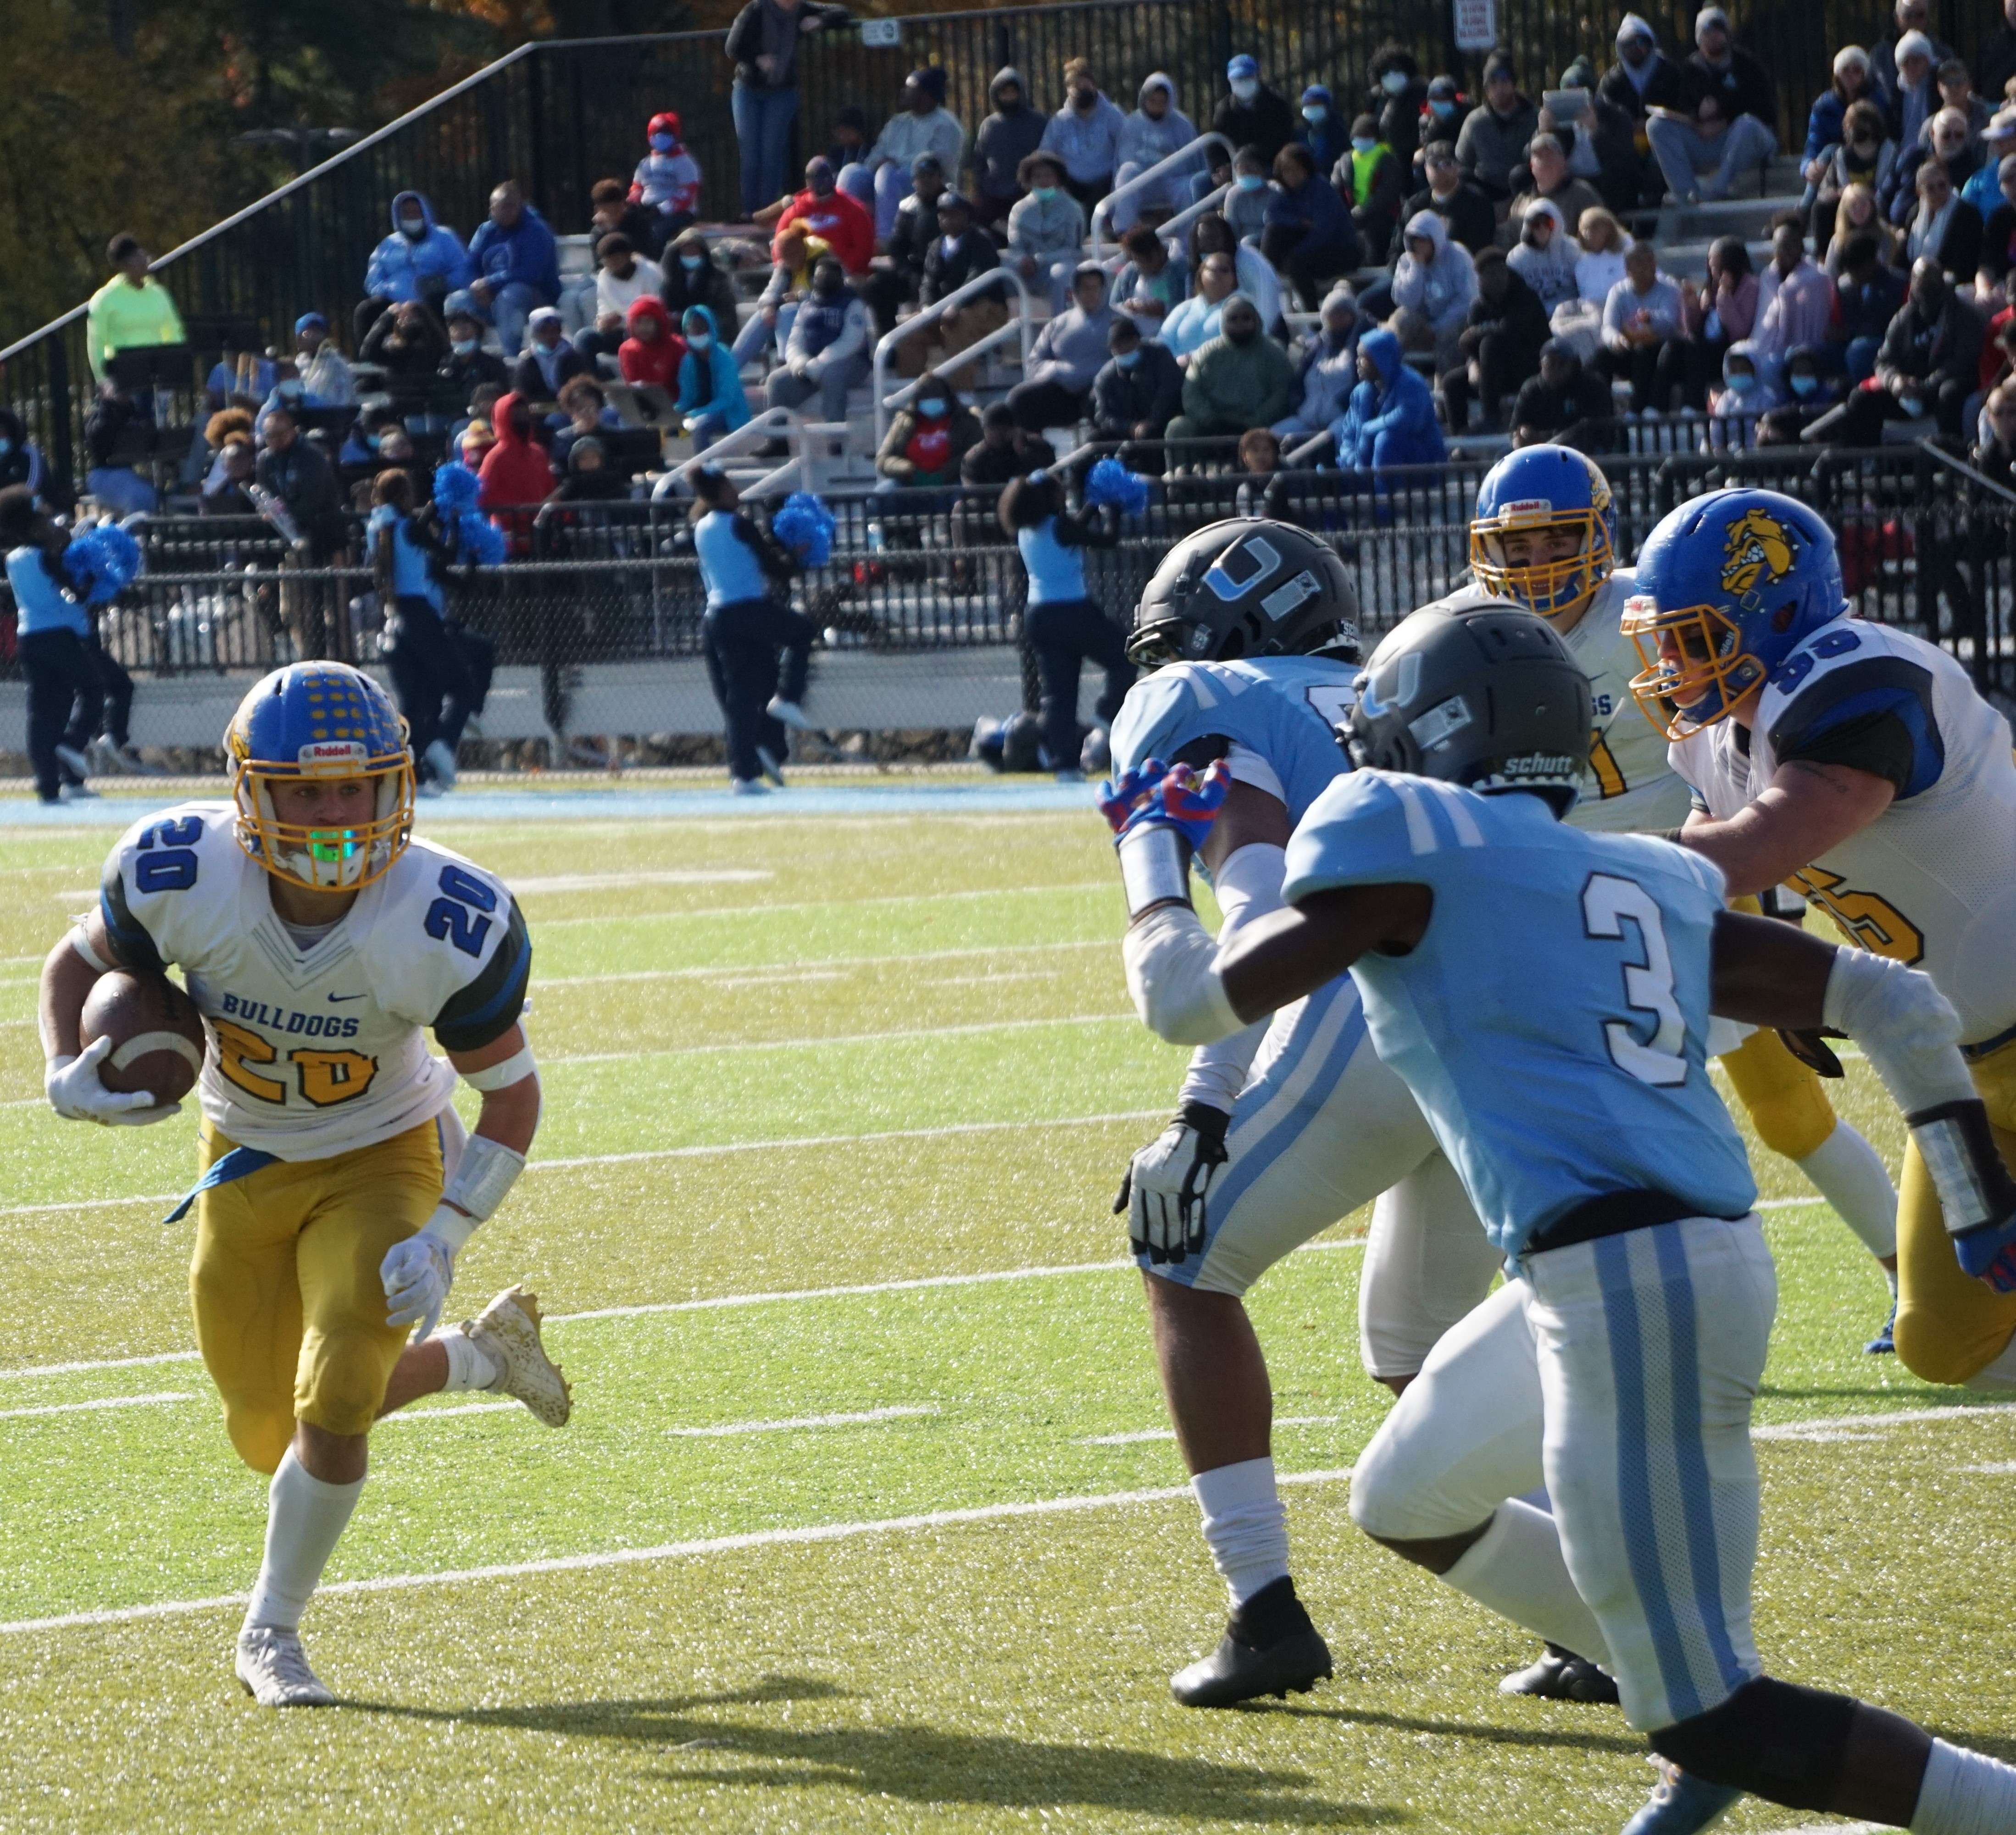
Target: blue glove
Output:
[
  {"x": 1184, "y": 801},
  {"x": 1989, "y": 1253},
  {"x": 1119, "y": 797}
]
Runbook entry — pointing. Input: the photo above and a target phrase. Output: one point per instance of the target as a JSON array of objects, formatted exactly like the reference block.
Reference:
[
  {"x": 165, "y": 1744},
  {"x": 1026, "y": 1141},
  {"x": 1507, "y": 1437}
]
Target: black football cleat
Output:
[
  {"x": 1269, "y": 1648},
  {"x": 1556, "y": 1674}
]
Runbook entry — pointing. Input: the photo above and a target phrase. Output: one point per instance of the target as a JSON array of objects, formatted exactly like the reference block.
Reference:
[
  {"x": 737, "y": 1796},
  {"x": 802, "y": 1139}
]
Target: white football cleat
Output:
[
  {"x": 788, "y": 713},
  {"x": 507, "y": 1333},
  {"x": 274, "y": 1669},
  {"x": 73, "y": 761}
]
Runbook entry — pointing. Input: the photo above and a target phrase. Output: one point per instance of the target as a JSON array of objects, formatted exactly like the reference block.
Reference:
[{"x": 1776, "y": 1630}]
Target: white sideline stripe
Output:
[
  {"x": 1897, "y": 1417},
  {"x": 761, "y": 1538},
  {"x": 116, "y": 1401},
  {"x": 824, "y": 1532},
  {"x": 1999, "y": 1468},
  {"x": 541, "y": 982},
  {"x": 861, "y": 1418},
  {"x": 867, "y": 1038},
  {"x": 898, "y": 898},
  {"x": 789, "y": 1142}
]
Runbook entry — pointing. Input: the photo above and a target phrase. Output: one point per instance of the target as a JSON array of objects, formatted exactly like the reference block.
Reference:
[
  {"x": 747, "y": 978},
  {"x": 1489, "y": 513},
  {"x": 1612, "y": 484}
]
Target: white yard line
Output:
[
  {"x": 116, "y": 1401},
  {"x": 798, "y": 1423},
  {"x": 865, "y": 1038},
  {"x": 675, "y": 876},
  {"x": 802, "y": 905},
  {"x": 1155, "y": 1434}
]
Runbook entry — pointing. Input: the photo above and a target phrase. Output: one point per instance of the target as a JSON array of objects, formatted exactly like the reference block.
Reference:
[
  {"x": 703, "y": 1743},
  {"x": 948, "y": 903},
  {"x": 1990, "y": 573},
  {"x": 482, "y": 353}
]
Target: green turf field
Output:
[{"x": 867, "y": 1518}]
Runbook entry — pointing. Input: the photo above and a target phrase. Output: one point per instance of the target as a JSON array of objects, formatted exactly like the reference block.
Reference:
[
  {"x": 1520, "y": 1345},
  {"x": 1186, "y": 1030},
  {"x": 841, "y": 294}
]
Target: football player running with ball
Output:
[
  {"x": 318, "y": 939},
  {"x": 1248, "y": 629},
  {"x": 1545, "y": 994},
  {"x": 1858, "y": 762}
]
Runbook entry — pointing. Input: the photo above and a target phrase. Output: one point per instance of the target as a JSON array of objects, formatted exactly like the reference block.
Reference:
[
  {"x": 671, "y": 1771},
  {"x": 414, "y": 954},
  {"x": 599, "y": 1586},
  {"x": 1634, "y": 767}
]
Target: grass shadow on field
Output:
[
  {"x": 920, "y": 1764},
  {"x": 1401, "y": 1723}
]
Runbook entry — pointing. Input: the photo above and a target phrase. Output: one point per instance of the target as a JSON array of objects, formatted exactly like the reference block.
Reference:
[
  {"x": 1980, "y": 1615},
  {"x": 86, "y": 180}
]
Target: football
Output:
[{"x": 156, "y": 1034}]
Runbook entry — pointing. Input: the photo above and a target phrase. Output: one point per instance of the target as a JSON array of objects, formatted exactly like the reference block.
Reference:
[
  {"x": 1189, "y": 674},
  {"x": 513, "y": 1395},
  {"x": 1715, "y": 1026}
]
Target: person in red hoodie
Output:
[
  {"x": 516, "y": 476},
  {"x": 829, "y": 212},
  {"x": 652, "y": 351}
]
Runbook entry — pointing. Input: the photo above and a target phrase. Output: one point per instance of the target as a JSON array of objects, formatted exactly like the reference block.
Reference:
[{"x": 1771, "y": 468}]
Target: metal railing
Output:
[
  {"x": 1189, "y": 155},
  {"x": 1017, "y": 327}
]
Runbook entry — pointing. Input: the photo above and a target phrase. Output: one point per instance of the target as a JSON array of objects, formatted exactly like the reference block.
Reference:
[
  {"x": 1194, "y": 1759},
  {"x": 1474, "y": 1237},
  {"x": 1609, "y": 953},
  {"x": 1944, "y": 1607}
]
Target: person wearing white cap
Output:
[
  {"x": 1642, "y": 78},
  {"x": 1914, "y": 90},
  {"x": 1984, "y": 189},
  {"x": 1729, "y": 127},
  {"x": 1912, "y": 15}
]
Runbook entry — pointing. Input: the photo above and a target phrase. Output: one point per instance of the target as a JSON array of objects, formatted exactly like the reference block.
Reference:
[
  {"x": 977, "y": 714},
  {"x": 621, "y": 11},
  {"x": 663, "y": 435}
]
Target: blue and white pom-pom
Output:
[
  {"x": 1111, "y": 482},
  {"x": 481, "y": 540},
  {"x": 478, "y": 538},
  {"x": 804, "y": 526},
  {"x": 456, "y": 487},
  {"x": 102, "y": 562}
]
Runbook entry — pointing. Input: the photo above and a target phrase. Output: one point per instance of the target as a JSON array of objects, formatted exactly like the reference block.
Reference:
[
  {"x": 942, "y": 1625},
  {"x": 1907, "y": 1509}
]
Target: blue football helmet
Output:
[
  {"x": 1729, "y": 585},
  {"x": 323, "y": 720},
  {"x": 1559, "y": 501}
]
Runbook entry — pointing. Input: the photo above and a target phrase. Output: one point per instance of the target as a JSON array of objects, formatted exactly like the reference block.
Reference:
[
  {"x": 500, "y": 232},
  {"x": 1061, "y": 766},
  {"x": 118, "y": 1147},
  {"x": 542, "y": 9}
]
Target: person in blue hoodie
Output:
[
  {"x": 1063, "y": 625},
  {"x": 711, "y": 400},
  {"x": 517, "y": 265},
  {"x": 1390, "y": 419},
  {"x": 1321, "y": 129},
  {"x": 420, "y": 260}
]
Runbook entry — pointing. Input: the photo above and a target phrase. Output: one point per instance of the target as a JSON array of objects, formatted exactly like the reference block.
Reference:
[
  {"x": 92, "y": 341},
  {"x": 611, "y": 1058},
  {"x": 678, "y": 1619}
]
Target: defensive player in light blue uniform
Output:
[
  {"x": 1249, "y": 629},
  {"x": 1545, "y": 993}
]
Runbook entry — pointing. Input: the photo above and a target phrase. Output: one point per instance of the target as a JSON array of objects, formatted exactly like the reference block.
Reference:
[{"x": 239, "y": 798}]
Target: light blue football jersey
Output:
[
  {"x": 1286, "y": 708},
  {"x": 1552, "y": 1021}
]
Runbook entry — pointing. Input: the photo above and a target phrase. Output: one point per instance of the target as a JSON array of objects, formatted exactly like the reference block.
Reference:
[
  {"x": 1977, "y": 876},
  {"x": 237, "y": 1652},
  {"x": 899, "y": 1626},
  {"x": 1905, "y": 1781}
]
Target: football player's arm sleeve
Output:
[
  {"x": 1248, "y": 886},
  {"x": 486, "y": 1008}
]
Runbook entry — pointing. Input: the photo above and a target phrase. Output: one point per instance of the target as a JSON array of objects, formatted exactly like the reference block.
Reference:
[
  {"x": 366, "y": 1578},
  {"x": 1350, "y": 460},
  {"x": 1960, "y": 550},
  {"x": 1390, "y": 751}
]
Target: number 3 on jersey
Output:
[{"x": 1607, "y": 902}]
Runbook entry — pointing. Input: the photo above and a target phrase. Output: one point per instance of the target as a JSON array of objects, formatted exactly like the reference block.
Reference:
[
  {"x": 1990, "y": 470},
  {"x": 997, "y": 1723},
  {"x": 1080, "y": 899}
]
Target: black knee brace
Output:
[{"x": 1774, "y": 1740}]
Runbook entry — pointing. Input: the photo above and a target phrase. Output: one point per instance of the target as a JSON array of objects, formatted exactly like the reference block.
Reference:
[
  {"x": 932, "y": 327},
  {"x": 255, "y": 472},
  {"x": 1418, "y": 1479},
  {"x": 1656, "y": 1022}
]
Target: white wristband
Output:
[
  {"x": 81, "y": 943},
  {"x": 488, "y": 1171},
  {"x": 1154, "y": 866},
  {"x": 514, "y": 1069}
]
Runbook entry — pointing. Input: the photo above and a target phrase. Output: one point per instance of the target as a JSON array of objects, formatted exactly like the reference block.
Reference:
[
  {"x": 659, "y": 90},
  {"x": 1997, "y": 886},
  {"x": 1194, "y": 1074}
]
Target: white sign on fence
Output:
[
  {"x": 1476, "y": 24},
  {"x": 882, "y": 33}
]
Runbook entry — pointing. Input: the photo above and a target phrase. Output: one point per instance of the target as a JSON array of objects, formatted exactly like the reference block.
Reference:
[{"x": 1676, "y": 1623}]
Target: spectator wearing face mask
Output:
[
  {"x": 1006, "y": 138},
  {"x": 1727, "y": 128},
  {"x": 420, "y": 260},
  {"x": 1545, "y": 254},
  {"x": 1322, "y": 131},
  {"x": 826, "y": 354},
  {"x": 1498, "y": 346},
  {"x": 467, "y": 364},
  {"x": 1749, "y": 389},
  {"x": 690, "y": 275},
  {"x": 1434, "y": 282},
  {"x": 1929, "y": 365},
  {"x": 928, "y": 438},
  {"x": 1395, "y": 98},
  {"x": 1084, "y": 135},
  {"x": 1309, "y": 234},
  {"x": 1389, "y": 417},
  {"x": 1069, "y": 352},
  {"x": 826, "y": 211},
  {"x": 1886, "y": 58},
  {"x": 1253, "y": 113},
  {"x": 1471, "y": 221},
  {"x": 1372, "y": 181},
  {"x": 1327, "y": 371},
  {"x": 549, "y": 362},
  {"x": 1810, "y": 387},
  {"x": 1643, "y": 338},
  {"x": 1944, "y": 228},
  {"x": 1493, "y": 141},
  {"x": 1046, "y": 229},
  {"x": 710, "y": 399},
  {"x": 1245, "y": 205},
  {"x": 881, "y": 180},
  {"x": 1156, "y": 130},
  {"x": 1240, "y": 379},
  {"x": 667, "y": 181},
  {"x": 1565, "y": 403},
  {"x": 1444, "y": 112},
  {"x": 1134, "y": 396},
  {"x": 650, "y": 356}
]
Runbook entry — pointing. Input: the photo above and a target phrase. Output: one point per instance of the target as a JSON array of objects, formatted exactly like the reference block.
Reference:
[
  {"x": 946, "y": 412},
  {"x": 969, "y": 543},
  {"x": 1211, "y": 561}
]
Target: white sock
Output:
[
  {"x": 1245, "y": 1525},
  {"x": 1516, "y": 1568},
  {"x": 469, "y": 1366},
  {"x": 1964, "y": 1794},
  {"x": 1850, "y": 1176},
  {"x": 305, "y": 1518}
]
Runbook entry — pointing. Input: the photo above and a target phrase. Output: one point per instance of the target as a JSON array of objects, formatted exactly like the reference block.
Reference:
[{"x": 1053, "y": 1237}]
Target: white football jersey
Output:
[
  {"x": 314, "y": 1052},
  {"x": 1931, "y": 882},
  {"x": 1630, "y": 784}
]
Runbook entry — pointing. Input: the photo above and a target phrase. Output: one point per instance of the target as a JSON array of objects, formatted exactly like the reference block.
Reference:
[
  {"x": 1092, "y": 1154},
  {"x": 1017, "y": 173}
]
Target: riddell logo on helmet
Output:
[{"x": 322, "y": 755}]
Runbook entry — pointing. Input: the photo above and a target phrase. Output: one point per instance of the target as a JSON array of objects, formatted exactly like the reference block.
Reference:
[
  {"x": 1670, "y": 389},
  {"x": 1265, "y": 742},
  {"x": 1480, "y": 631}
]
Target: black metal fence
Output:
[
  {"x": 558, "y": 116},
  {"x": 1925, "y": 544}
]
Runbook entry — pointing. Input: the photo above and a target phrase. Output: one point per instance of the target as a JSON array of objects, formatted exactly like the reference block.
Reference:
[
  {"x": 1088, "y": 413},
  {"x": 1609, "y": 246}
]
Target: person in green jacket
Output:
[
  {"x": 1240, "y": 379},
  {"x": 130, "y": 310}
]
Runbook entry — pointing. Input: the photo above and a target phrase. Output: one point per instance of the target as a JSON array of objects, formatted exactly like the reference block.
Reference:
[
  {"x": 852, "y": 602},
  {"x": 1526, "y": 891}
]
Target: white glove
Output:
[
  {"x": 76, "y": 1094},
  {"x": 417, "y": 1274},
  {"x": 1168, "y": 1182}
]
